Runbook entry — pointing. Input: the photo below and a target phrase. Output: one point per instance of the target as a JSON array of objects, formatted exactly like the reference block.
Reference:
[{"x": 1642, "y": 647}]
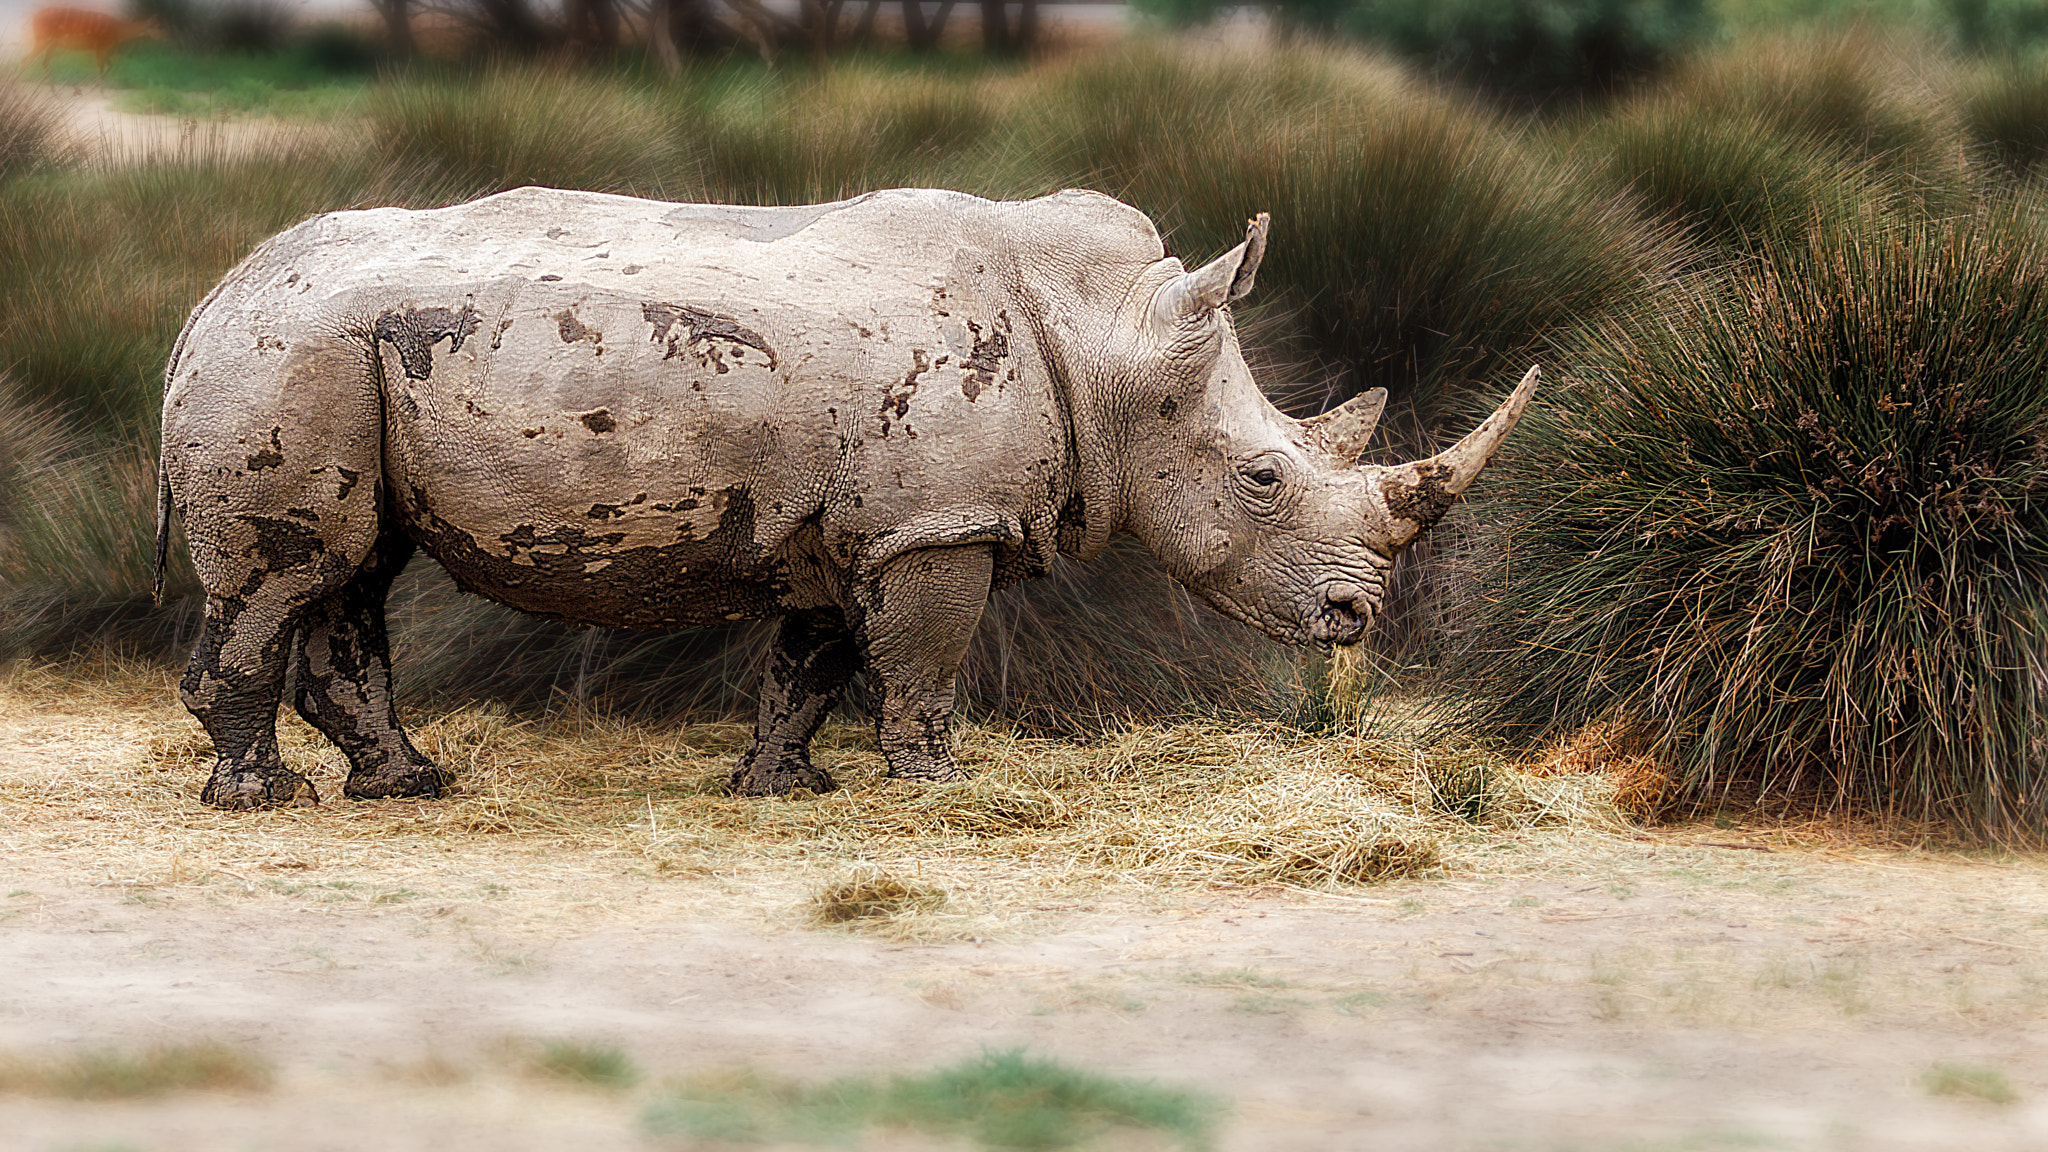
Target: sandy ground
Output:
[
  {"x": 97, "y": 134},
  {"x": 1603, "y": 992}
]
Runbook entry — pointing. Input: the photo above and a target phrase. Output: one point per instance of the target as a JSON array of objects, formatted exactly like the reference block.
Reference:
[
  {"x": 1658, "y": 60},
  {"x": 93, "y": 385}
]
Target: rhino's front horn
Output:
[
  {"x": 1345, "y": 430},
  {"x": 1228, "y": 277},
  {"x": 1411, "y": 497}
]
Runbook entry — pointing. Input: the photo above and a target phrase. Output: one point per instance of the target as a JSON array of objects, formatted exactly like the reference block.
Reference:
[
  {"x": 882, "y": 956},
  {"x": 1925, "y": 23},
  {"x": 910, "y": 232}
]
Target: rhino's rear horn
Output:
[
  {"x": 1226, "y": 278},
  {"x": 1415, "y": 496},
  {"x": 1345, "y": 430}
]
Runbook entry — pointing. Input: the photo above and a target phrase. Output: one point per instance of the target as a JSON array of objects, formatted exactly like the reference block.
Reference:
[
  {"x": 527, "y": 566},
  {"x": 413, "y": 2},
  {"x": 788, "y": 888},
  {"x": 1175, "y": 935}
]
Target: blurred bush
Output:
[
  {"x": 1535, "y": 49},
  {"x": 1761, "y": 138},
  {"x": 1790, "y": 527},
  {"x": 1861, "y": 95}
]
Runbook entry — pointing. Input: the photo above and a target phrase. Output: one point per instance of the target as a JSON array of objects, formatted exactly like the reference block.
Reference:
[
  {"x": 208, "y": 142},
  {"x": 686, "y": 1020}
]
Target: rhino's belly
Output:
[{"x": 586, "y": 578}]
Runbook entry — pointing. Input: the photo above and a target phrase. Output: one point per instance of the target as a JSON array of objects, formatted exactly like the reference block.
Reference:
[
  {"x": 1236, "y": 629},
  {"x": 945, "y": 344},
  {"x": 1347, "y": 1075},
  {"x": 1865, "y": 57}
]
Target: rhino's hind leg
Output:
[
  {"x": 917, "y": 617},
  {"x": 344, "y": 682},
  {"x": 231, "y": 686},
  {"x": 815, "y": 656}
]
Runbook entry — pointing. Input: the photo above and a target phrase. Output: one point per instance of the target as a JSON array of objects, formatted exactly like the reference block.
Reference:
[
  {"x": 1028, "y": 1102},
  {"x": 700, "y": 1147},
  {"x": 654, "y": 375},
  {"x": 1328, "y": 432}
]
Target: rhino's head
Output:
[{"x": 1271, "y": 520}]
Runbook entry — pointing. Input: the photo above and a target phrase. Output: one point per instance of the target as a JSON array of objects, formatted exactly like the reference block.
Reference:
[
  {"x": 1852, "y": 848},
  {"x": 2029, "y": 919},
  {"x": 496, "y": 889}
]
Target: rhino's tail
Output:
[
  {"x": 163, "y": 467},
  {"x": 163, "y": 526}
]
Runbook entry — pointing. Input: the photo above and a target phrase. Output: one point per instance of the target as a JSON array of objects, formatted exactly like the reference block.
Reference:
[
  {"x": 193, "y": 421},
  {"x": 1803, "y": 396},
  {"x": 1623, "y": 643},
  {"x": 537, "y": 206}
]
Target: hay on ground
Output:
[{"x": 1152, "y": 807}]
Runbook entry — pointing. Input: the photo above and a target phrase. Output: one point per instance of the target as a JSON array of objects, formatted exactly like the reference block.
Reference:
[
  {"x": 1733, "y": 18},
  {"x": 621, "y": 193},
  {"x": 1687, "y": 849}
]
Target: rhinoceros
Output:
[{"x": 859, "y": 417}]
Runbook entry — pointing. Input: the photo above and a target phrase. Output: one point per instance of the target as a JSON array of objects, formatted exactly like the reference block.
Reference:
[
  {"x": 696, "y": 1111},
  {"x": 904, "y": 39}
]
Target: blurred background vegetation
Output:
[{"x": 1778, "y": 516}]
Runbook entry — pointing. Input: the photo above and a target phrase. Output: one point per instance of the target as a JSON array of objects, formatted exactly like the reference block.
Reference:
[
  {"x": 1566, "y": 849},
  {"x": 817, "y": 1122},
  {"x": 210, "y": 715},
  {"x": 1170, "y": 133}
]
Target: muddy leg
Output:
[
  {"x": 916, "y": 618},
  {"x": 231, "y": 686},
  {"x": 344, "y": 682},
  {"x": 814, "y": 658}
]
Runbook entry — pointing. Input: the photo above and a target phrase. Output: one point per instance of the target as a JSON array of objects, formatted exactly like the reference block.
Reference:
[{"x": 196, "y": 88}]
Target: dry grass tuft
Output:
[
  {"x": 1647, "y": 788},
  {"x": 871, "y": 894},
  {"x": 114, "y": 1075}
]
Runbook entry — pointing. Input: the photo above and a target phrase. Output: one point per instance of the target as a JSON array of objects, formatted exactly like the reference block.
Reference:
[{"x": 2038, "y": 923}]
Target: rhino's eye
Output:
[{"x": 1260, "y": 480}]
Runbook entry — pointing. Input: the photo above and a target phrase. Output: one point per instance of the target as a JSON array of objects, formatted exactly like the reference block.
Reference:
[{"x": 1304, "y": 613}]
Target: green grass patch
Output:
[
  {"x": 249, "y": 97},
  {"x": 577, "y": 1062},
  {"x": 998, "y": 1100},
  {"x": 1974, "y": 1081},
  {"x": 147, "y": 64}
]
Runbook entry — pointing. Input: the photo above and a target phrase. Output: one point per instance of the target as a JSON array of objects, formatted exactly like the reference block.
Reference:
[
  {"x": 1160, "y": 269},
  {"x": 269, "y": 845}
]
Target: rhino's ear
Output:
[
  {"x": 1222, "y": 280},
  {"x": 1345, "y": 430}
]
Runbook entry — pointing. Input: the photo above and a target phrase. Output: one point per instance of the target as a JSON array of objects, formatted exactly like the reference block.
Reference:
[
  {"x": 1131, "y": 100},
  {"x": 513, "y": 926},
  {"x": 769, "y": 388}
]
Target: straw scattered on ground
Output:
[{"x": 1189, "y": 804}]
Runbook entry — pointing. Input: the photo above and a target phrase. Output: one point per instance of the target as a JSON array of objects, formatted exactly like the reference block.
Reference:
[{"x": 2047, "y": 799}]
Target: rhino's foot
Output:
[
  {"x": 271, "y": 788},
  {"x": 420, "y": 778},
  {"x": 779, "y": 778}
]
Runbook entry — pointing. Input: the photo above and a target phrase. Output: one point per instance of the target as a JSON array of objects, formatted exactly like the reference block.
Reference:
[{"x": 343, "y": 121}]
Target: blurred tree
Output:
[
  {"x": 923, "y": 33},
  {"x": 397, "y": 26},
  {"x": 593, "y": 27},
  {"x": 677, "y": 27},
  {"x": 1001, "y": 37}
]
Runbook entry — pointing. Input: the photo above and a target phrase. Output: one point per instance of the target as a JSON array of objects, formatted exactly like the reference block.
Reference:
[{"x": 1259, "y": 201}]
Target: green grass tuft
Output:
[{"x": 1000, "y": 1100}]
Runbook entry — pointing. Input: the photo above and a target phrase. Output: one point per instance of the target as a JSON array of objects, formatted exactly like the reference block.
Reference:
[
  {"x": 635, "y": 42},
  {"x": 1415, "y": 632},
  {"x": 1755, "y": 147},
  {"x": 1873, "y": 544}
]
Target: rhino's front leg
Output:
[
  {"x": 814, "y": 658},
  {"x": 916, "y": 618}
]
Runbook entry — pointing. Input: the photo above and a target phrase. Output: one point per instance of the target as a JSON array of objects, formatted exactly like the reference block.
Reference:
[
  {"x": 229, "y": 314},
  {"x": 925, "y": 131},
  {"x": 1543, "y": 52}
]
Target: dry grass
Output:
[
  {"x": 115, "y": 1075},
  {"x": 567, "y": 794},
  {"x": 868, "y": 895}
]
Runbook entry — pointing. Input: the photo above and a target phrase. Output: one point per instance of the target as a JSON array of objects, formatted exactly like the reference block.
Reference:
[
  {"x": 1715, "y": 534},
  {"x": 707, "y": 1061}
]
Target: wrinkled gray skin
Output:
[{"x": 859, "y": 417}]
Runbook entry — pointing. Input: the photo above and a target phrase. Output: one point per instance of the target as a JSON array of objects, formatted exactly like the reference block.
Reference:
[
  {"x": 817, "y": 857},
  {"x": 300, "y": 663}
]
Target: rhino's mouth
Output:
[{"x": 1343, "y": 617}]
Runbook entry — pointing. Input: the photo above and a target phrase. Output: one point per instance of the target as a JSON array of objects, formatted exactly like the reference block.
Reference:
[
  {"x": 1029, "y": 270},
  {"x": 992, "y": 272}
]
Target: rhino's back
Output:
[{"x": 586, "y": 392}]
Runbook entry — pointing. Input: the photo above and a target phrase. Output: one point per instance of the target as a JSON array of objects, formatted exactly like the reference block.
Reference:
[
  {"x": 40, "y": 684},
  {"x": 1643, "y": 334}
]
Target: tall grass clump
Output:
[
  {"x": 28, "y": 128},
  {"x": 1723, "y": 181},
  {"x": 1856, "y": 94},
  {"x": 98, "y": 269},
  {"x": 1790, "y": 529},
  {"x": 2005, "y": 111},
  {"x": 76, "y": 567},
  {"x": 754, "y": 137},
  {"x": 1760, "y": 139},
  {"x": 459, "y": 135}
]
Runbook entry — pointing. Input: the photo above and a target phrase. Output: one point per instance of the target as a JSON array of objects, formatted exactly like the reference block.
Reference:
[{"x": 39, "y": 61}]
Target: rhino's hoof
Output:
[
  {"x": 779, "y": 780},
  {"x": 422, "y": 779},
  {"x": 277, "y": 788}
]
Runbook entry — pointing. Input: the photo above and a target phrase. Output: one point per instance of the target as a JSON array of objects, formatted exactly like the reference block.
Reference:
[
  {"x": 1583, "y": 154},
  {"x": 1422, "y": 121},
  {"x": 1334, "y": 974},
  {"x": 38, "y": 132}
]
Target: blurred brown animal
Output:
[{"x": 85, "y": 31}]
